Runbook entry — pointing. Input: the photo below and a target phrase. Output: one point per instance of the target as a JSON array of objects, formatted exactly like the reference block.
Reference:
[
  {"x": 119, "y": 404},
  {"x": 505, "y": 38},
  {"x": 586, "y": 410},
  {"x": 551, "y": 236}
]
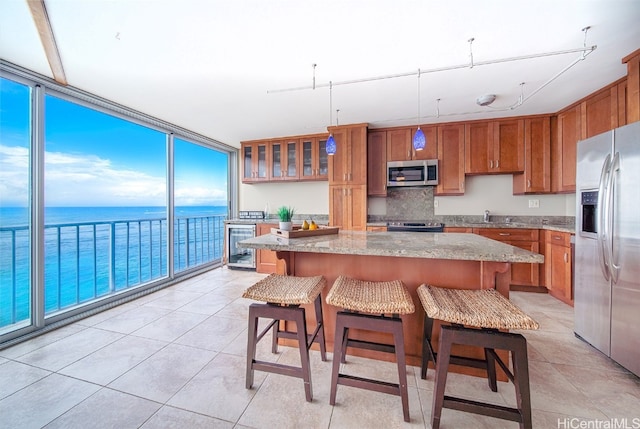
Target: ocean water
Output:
[{"x": 90, "y": 252}]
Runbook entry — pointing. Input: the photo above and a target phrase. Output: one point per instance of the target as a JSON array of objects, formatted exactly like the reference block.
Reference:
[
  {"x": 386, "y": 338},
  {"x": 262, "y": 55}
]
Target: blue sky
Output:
[{"x": 94, "y": 159}]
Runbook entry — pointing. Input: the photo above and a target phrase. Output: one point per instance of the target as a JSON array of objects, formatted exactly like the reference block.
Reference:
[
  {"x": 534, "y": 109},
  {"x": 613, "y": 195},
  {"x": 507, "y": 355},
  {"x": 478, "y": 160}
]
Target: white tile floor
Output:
[{"x": 176, "y": 359}]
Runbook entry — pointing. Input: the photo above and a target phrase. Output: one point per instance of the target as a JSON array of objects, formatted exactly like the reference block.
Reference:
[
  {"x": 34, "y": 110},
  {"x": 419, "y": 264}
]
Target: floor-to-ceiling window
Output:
[
  {"x": 15, "y": 249},
  {"x": 200, "y": 198},
  {"x": 101, "y": 197},
  {"x": 105, "y": 204}
]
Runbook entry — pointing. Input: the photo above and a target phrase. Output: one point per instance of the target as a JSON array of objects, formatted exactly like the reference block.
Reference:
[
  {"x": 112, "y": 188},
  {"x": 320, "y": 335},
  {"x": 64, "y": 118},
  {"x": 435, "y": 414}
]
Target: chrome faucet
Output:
[{"x": 486, "y": 215}]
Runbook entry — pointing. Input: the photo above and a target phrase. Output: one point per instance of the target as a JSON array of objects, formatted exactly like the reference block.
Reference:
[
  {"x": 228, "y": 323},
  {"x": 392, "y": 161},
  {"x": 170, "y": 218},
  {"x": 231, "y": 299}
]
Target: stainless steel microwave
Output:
[{"x": 412, "y": 173}]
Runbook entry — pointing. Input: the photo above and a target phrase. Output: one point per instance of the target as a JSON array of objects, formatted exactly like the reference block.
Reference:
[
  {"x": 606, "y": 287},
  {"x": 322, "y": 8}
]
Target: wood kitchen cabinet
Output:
[
  {"x": 293, "y": 158},
  {"x": 376, "y": 228},
  {"x": 255, "y": 161},
  {"x": 558, "y": 263},
  {"x": 400, "y": 144},
  {"x": 349, "y": 164},
  {"x": 537, "y": 149},
  {"x": 521, "y": 274},
  {"x": 451, "y": 159},
  {"x": 377, "y": 163},
  {"x": 563, "y": 150},
  {"x": 494, "y": 147},
  {"x": 348, "y": 207},
  {"x": 284, "y": 159},
  {"x": 266, "y": 260},
  {"x": 348, "y": 178},
  {"x": 314, "y": 161},
  {"x": 599, "y": 112}
]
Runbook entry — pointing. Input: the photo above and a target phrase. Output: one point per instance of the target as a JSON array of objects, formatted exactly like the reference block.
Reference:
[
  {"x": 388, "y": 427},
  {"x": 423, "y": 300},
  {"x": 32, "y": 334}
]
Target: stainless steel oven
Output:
[{"x": 236, "y": 256}]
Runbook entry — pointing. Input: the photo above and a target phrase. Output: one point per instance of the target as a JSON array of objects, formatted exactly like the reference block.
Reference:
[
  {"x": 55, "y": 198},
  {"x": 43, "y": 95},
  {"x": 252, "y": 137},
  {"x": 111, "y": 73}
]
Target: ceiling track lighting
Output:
[
  {"x": 419, "y": 139},
  {"x": 584, "y": 51}
]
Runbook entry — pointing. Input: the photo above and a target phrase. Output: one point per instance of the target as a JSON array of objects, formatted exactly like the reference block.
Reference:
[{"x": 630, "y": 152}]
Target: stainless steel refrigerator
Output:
[{"x": 607, "y": 252}]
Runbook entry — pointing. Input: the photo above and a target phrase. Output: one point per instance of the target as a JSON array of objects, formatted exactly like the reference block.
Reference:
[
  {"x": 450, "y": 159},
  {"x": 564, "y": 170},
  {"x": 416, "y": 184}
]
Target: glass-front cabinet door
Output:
[
  {"x": 276, "y": 160},
  {"x": 284, "y": 160},
  {"x": 314, "y": 159},
  {"x": 255, "y": 161},
  {"x": 292, "y": 160}
]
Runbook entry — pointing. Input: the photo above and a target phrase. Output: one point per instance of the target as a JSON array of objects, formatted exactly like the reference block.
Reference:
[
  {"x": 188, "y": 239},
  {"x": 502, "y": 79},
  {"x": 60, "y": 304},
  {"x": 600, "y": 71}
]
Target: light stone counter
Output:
[{"x": 455, "y": 246}]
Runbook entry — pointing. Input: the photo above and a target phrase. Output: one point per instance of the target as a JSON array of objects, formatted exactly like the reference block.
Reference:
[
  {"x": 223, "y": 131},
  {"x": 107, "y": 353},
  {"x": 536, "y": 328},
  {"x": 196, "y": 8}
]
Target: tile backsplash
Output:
[{"x": 410, "y": 203}]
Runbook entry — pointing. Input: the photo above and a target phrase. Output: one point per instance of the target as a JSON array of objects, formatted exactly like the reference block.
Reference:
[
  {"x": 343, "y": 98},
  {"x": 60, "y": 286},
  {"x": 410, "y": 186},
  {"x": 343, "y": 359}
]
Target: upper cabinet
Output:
[
  {"x": 255, "y": 162},
  {"x": 537, "y": 154},
  {"x": 315, "y": 161},
  {"x": 285, "y": 159},
  {"x": 450, "y": 159},
  {"x": 563, "y": 151},
  {"x": 400, "y": 144},
  {"x": 478, "y": 147},
  {"x": 494, "y": 147},
  {"x": 349, "y": 164},
  {"x": 508, "y": 146},
  {"x": 377, "y": 164}
]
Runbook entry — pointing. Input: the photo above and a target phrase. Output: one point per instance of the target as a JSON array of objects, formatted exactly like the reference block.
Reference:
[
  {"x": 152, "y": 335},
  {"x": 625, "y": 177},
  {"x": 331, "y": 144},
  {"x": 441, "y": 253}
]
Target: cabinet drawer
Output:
[
  {"x": 508, "y": 234},
  {"x": 558, "y": 238}
]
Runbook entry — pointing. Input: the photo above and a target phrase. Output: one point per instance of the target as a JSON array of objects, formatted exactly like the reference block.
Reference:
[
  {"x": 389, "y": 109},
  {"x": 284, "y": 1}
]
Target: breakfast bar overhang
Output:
[{"x": 452, "y": 260}]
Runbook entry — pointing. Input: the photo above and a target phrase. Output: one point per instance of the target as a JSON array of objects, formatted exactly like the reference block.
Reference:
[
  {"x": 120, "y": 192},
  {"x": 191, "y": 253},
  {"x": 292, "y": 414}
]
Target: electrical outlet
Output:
[
  {"x": 534, "y": 204},
  {"x": 435, "y": 203}
]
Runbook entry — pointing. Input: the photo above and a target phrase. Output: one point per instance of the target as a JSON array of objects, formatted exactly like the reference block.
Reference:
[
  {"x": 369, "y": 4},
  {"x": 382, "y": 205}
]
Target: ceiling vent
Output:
[{"x": 485, "y": 100}]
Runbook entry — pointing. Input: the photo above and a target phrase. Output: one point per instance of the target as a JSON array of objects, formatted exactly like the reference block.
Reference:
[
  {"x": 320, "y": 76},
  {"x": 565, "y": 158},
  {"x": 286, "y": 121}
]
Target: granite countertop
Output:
[
  {"x": 518, "y": 225},
  {"x": 457, "y": 246}
]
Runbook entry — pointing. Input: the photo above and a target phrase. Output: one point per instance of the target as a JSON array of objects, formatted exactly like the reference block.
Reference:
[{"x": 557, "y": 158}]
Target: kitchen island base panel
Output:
[{"x": 459, "y": 274}]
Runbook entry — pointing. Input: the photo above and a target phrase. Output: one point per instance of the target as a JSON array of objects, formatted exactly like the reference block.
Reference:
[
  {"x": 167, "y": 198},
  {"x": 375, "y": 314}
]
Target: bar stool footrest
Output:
[
  {"x": 369, "y": 384},
  {"x": 278, "y": 368},
  {"x": 482, "y": 408}
]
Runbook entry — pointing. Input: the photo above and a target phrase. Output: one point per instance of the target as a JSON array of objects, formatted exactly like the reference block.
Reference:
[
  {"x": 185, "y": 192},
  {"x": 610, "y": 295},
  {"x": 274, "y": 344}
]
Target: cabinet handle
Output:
[
  {"x": 491, "y": 164},
  {"x": 557, "y": 237},
  {"x": 528, "y": 183},
  {"x": 566, "y": 257},
  {"x": 409, "y": 154},
  {"x": 497, "y": 163},
  {"x": 504, "y": 234}
]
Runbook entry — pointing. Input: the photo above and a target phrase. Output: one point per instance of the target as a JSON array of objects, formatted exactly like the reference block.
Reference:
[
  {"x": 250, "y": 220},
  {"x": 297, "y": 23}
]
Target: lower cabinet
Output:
[
  {"x": 266, "y": 261},
  {"x": 558, "y": 262},
  {"x": 376, "y": 228},
  {"x": 348, "y": 207},
  {"x": 522, "y": 274}
]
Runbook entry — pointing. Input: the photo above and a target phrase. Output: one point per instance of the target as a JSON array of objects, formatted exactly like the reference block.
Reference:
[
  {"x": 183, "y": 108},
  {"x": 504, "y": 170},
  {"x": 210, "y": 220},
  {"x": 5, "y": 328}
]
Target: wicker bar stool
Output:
[
  {"x": 371, "y": 306},
  {"x": 283, "y": 296},
  {"x": 488, "y": 310}
]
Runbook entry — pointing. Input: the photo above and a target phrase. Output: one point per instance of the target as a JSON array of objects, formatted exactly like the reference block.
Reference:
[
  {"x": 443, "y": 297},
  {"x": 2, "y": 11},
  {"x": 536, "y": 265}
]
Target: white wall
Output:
[
  {"x": 493, "y": 193},
  {"x": 305, "y": 197}
]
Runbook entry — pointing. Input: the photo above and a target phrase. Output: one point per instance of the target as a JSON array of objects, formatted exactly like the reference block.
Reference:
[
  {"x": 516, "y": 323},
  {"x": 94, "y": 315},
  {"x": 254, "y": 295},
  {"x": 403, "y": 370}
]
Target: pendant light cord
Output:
[{"x": 418, "y": 98}]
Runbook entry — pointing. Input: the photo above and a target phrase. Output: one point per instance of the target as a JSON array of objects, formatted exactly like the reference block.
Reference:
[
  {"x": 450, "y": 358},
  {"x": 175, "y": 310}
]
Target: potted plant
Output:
[{"x": 285, "y": 214}]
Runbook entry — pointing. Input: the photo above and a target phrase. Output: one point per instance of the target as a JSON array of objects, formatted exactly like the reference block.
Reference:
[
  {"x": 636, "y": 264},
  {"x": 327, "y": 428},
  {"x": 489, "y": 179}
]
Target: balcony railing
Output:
[{"x": 89, "y": 260}]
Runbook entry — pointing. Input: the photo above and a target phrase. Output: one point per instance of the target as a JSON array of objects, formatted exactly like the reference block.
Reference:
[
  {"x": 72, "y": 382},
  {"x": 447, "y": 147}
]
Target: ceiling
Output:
[{"x": 216, "y": 67}]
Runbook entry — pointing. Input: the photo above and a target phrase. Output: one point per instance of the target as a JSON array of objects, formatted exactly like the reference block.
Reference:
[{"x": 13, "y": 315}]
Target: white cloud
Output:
[{"x": 88, "y": 180}]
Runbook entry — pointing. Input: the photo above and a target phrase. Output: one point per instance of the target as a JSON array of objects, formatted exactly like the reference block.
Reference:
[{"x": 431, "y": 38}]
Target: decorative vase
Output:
[{"x": 286, "y": 226}]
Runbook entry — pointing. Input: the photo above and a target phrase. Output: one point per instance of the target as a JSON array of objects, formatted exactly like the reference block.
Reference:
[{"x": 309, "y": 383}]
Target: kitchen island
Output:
[{"x": 455, "y": 260}]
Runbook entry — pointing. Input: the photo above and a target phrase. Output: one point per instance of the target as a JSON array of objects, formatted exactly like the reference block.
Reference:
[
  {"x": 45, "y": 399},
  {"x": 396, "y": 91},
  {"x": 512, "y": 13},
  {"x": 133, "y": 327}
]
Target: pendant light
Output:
[
  {"x": 419, "y": 139},
  {"x": 331, "y": 142}
]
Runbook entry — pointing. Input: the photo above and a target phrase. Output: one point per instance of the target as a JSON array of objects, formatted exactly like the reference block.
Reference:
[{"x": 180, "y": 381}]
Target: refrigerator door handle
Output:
[
  {"x": 615, "y": 169},
  {"x": 600, "y": 217}
]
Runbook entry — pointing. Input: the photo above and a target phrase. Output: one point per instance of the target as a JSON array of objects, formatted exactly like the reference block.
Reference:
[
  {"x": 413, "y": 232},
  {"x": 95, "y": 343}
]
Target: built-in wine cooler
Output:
[{"x": 236, "y": 256}]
